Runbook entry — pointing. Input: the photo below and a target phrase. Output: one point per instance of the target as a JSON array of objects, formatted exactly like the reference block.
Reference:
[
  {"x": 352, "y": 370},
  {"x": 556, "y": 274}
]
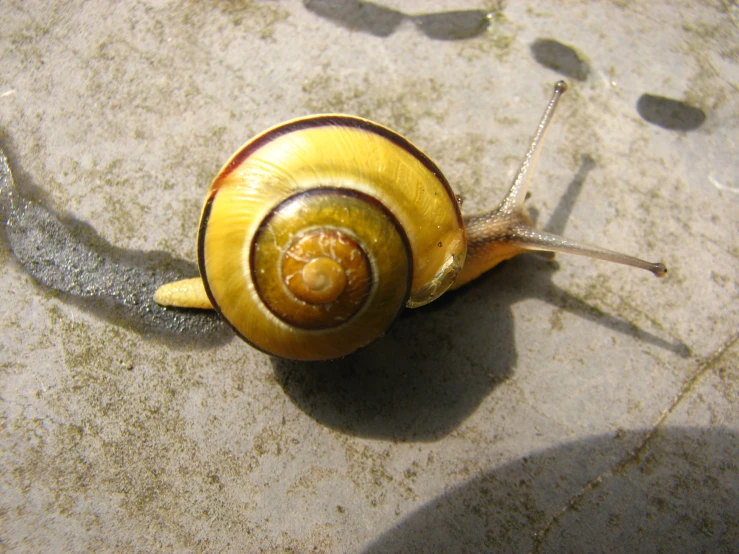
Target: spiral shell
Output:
[{"x": 317, "y": 232}]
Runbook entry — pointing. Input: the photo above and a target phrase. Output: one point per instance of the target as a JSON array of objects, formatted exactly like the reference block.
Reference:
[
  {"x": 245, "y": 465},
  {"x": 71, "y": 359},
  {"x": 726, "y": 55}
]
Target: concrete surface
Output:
[{"x": 568, "y": 406}]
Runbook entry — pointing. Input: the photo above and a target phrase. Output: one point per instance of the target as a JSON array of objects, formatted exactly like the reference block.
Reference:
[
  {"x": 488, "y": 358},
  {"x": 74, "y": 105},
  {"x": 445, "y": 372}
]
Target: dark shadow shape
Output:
[
  {"x": 561, "y": 58},
  {"x": 578, "y": 307},
  {"x": 436, "y": 364},
  {"x": 670, "y": 114},
  {"x": 561, "y": 214},
  {"x": 380, "y": 21},
  {"x": 356, "y": 15},
  {"x": 681, "y": 494},
  {"x": 454, "y": 25},
  {"x": 68, "y": 256},
  {"x": 558, "y": 220},
  {"x": 417, "y": 383}
]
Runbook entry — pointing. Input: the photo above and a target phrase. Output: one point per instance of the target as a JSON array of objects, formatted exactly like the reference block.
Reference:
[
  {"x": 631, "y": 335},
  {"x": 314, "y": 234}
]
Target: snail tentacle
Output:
[
  {"x": 519, "y": 190},
  {"x": 507, "y": 230}
]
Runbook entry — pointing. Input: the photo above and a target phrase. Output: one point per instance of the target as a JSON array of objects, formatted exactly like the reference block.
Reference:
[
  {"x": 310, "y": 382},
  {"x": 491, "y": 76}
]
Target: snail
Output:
[{"x": 317, "y": 232}]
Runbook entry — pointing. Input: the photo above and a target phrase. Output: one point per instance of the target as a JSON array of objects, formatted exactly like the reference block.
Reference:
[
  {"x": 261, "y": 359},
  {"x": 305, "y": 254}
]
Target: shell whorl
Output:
[
  {"x": 317, "y": 232},
  {"x": 321, "y": 255}
]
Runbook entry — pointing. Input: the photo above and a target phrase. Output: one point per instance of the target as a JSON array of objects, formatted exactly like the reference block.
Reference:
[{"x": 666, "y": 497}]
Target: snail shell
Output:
[{"x": 317, "y": 232}]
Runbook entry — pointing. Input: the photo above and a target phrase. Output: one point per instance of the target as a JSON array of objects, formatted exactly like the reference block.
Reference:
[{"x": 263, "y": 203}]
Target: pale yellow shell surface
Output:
[{"x": 336, "y": 152}]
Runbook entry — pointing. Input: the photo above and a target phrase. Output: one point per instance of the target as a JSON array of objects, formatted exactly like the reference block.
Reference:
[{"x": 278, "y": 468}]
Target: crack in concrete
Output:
[
  {"x": 634, "y": 456},
  {"x": 568, "y": 427}
]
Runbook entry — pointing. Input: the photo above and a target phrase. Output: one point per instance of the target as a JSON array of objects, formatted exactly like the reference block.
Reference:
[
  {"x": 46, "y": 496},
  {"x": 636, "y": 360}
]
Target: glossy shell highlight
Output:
[{"x": 412, "y": 235}]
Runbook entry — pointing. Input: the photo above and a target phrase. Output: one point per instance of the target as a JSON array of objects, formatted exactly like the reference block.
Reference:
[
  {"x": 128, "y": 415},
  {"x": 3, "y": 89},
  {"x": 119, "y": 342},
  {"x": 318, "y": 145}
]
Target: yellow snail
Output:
[{"x": 318, "y": 231}]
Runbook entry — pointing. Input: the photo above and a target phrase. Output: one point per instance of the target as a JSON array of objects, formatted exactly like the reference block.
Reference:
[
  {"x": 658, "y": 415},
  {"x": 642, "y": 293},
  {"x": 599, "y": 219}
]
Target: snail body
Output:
[{"x": 317, "y": 232}]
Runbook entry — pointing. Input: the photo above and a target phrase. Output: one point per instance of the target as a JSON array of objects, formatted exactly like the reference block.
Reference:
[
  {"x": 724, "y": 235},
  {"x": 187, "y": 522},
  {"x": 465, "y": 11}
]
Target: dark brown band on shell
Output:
[
  {"x": 336, "y": 121},
  {"x": 204, "y": 219},
  {"x": 379, "y": 206},
  {"x": 203, "y": 273}
]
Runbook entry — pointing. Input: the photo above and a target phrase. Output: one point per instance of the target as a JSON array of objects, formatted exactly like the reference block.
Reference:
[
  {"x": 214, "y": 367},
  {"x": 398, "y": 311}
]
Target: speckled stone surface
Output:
[{"x": 548, "y": 406}]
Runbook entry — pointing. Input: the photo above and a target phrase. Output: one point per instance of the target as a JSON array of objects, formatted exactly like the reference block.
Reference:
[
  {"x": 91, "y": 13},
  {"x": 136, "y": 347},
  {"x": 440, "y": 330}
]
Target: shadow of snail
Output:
[{"x": 438, "y": 362}]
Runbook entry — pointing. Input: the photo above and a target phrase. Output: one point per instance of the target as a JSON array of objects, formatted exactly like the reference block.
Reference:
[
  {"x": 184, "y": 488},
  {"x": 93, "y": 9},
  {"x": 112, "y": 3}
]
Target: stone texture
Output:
[{"x": 548, "y": 406}]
